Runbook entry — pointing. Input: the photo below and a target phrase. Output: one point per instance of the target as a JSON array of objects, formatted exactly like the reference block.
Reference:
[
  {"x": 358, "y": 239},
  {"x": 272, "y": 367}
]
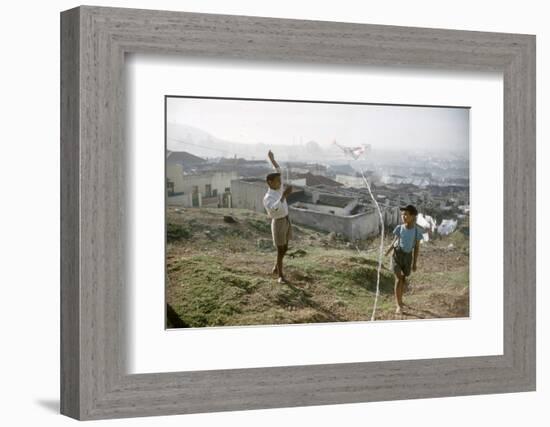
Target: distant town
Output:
[{"x": 329, "y": 196}]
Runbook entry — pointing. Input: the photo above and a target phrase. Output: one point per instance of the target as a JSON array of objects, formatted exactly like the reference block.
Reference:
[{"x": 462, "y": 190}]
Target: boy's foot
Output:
[
  {"x": 281, "y": 279},
  {"x": 399, "y": 310}
]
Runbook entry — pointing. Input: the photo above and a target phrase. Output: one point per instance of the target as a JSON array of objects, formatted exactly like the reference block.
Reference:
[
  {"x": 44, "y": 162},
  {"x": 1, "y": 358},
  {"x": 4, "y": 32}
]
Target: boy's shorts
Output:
[
  {"x": 281, "y": 231},
  {"x": 401, "y": 261}
]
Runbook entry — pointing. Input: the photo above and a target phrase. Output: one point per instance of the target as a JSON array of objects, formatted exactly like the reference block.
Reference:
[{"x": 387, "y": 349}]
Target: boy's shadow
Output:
[{"x": 304, "y": 298}]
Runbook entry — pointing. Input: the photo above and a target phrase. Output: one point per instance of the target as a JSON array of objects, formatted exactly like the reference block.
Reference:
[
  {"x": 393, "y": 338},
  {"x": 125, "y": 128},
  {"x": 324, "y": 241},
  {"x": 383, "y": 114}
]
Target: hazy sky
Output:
[{"x": 384, "y": 127}]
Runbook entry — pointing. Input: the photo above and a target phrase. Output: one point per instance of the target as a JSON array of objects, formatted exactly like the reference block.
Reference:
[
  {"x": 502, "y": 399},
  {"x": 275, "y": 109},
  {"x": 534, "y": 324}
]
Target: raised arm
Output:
[{"x": 272, "y": 158}]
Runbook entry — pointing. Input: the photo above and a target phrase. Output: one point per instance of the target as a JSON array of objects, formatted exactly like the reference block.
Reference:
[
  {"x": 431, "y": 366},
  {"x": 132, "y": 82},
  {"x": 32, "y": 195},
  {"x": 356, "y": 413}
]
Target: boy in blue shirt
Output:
[{"x": 405, "y": 253}]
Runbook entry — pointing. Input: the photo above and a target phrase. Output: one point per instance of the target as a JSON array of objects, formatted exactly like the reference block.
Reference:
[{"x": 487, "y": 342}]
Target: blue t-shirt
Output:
[{"x": 409, "y": 236}]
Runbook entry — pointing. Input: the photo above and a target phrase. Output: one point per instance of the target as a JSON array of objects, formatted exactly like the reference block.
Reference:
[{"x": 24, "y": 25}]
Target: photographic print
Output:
[{"x": 299, "y": 211}]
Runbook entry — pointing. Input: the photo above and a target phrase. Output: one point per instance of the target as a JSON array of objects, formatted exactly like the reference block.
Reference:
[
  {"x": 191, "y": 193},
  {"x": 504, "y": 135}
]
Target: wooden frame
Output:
[{"x": 94, "y": 41}]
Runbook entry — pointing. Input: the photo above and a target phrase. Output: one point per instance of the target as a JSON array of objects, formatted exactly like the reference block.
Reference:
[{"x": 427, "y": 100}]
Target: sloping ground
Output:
[{"x": 219, "y": 273}]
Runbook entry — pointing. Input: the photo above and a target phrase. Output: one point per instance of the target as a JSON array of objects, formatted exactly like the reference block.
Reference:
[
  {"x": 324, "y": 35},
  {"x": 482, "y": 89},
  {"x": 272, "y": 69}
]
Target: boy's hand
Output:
[{"x": 288, "y": 190}]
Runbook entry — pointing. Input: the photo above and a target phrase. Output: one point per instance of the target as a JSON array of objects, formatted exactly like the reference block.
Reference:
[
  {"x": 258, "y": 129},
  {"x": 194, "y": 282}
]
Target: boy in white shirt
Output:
[{"x": 277, "y": 209}]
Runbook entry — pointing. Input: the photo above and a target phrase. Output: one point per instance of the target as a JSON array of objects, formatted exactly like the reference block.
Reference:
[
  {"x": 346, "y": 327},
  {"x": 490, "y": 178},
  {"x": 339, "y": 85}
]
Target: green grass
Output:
[
  {"x": 210, "y": 293},
  {"x": 221, "y": 278},
  {"x": 261, "y": 226},
  {"x": 175, "y": 232}
]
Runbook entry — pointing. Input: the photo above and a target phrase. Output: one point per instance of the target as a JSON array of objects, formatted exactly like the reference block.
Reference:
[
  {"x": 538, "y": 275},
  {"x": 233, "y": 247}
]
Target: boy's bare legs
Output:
[
  {"x": 398, "y": 291},
  {"x": 281, "y": 251}
]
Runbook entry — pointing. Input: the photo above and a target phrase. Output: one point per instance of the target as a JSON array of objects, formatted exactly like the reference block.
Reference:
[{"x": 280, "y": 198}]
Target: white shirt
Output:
[
  {"x": 273, "y": 205},
  {"x": 272, "y": 201}
]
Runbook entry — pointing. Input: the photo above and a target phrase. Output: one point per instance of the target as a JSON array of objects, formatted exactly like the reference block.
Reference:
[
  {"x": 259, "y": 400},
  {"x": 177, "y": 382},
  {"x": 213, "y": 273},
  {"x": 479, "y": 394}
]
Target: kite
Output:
[{"x": 354, "y": 152}]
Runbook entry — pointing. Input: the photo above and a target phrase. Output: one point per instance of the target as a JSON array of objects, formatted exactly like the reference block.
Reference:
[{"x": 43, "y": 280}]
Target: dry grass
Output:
[{"x": 219, "y": 273}]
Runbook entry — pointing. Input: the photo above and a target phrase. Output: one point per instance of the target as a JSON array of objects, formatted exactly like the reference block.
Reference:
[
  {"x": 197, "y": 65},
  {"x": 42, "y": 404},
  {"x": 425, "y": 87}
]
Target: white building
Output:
[
  {"x": 202, "y": 189},
  {"x": 319, "y": 210}
]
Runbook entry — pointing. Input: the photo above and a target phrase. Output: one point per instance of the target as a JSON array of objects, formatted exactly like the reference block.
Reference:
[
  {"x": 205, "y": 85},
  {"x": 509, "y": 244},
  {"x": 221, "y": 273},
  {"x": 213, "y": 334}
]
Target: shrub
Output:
[{"x": 176, "y": 232}]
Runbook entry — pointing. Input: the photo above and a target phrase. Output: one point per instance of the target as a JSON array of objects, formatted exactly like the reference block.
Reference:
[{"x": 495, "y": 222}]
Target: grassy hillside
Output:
[{"x": 219, "y": 273}]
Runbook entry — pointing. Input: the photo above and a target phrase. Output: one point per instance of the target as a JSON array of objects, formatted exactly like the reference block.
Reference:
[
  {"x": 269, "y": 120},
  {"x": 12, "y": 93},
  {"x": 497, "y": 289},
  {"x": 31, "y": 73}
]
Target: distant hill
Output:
[
  {"x": 184, "y": 158},
  {"x": 197, "y": 142},
  {"x": 200, "y": 143}
]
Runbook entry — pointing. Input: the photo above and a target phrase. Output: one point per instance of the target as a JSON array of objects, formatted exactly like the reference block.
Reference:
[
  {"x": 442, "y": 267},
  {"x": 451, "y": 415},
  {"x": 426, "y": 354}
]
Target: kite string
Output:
[{"x": 381, "y": 249}]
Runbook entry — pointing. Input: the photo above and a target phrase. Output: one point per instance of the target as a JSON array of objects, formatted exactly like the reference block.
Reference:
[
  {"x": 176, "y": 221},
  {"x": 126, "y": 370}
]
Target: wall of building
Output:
[
  {"x": 298, "y": 181},
  {"x": 349, "y": 207},
  {"x": 364, "y": 225},
  {"x": 392, "y": 216},
  {"x": 218, "y": 181},
  {"x": 211, "y": 202},
  {"x": 174, "y": 172},
  {"x": 320, "y": 220},
  {"x": 222, "y": 180},
  {"x": 185, "y": 200},
  {"x": 248, "y": 194},
  {"x": 321, "y": 208},
  {"x": 359, "y": 226},
  {"x": 350, "y": 181},
  {"x": 354, "y": 227}
]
